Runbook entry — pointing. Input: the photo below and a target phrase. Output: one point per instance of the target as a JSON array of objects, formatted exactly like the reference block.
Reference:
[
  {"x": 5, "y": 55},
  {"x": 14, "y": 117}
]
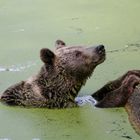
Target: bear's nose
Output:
[{"x": 100, "y": 48}]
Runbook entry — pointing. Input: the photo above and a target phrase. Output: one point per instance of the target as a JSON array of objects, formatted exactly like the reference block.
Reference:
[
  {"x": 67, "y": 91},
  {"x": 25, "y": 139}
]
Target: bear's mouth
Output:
[
  {"x": 101, "y": 54},
  {"x": 101, "y": 57}
]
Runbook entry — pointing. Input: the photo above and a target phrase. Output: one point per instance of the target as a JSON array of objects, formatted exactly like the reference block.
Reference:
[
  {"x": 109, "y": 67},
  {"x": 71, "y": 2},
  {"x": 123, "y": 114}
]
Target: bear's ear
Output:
[
  {"x": 59, "y": 44},
  {"x": 47, "y": 56}
]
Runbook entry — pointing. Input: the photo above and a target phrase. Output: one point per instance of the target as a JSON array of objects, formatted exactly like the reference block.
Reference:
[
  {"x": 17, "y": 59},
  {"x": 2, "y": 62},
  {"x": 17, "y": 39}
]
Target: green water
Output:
[{"x": 29, "y": 25}]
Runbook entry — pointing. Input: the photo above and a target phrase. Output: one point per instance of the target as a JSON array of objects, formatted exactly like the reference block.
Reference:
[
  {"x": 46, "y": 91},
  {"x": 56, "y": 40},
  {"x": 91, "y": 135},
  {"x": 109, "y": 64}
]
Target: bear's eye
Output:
[{"x": 78, "y": 53}]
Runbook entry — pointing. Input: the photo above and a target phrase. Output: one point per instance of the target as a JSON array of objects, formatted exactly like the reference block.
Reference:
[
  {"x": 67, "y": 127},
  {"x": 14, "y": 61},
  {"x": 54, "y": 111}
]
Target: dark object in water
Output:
[
  {"x": 127, "y": 137},
  {"x": 122, "y": 92}
]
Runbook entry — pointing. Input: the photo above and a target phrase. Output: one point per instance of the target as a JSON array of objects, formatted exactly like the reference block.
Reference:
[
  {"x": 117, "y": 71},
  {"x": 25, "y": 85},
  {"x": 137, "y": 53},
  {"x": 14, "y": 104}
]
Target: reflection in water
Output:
[{"x": 17, "y": 68}]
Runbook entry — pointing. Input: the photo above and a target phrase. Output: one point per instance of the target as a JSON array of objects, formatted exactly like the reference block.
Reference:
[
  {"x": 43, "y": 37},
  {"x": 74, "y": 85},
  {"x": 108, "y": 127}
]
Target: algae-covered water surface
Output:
[{"x": 29, "y": 25}]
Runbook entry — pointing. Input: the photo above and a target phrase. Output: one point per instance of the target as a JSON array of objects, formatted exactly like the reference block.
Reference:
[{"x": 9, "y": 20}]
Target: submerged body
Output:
[{"x": 60, "y": 79}]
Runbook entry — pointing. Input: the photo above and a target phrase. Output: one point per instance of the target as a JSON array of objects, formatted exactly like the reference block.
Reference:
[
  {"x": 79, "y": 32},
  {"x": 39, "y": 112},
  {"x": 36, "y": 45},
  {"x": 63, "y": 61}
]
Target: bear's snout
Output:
[
  {"x": 100, "y": 49},
  {"x": 98, "y": 54}
]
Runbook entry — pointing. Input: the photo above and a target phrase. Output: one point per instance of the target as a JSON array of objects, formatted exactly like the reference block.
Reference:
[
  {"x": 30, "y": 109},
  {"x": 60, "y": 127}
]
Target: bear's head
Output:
[{"x": 75, "y": 61}]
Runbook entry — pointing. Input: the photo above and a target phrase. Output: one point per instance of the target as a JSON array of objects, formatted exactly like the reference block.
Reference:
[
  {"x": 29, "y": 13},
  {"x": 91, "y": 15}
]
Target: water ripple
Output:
[
  {"x": 129, "y": 47},
  {"x": 17, "y": 68}
]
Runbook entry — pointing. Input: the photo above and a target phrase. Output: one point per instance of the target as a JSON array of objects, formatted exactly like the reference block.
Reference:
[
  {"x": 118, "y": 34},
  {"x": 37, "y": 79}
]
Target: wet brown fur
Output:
[
  {"x": 60, "y": 79},
  {"x": 122, "y": 92}
]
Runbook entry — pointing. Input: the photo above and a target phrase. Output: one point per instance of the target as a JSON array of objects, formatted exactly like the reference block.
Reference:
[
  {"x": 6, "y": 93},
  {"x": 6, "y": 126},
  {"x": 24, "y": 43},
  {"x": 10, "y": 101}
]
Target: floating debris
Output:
[
  {"x": 77, "y": 29},
  {"x": 75, "y": 18},
  {"x": 134, "y": 44},
  {"x": 127, "y": 137},
  {"x": 84, "y": 100}
]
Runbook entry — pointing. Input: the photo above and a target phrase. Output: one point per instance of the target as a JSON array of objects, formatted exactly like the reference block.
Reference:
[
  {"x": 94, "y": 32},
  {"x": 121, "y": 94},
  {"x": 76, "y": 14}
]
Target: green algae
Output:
[{"x": 27, "y": 26}]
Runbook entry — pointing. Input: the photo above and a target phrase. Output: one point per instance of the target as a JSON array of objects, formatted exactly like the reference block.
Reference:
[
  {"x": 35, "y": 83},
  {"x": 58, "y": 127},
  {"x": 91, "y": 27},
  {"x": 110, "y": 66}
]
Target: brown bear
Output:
[
  {"x": 60, "y": 79},
  {"x": 122, "y": 92}
]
